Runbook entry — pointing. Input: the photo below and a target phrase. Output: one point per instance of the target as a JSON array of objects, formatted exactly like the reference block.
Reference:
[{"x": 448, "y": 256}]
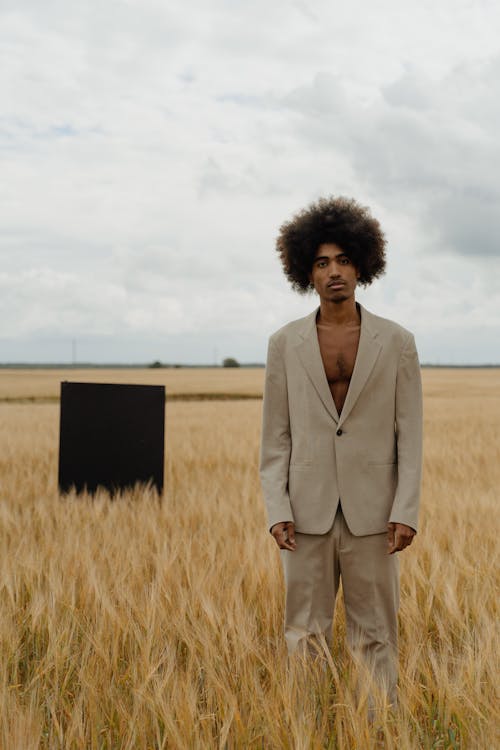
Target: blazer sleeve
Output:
[
  {"x": 275, "y": 439},
  {"x": 409, "y": 437}
]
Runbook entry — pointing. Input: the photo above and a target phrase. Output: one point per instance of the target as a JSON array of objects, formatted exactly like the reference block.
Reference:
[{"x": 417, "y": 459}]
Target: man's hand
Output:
[
  {"x": 284, "y": 535},
  {"x": 399, "y": 536}
]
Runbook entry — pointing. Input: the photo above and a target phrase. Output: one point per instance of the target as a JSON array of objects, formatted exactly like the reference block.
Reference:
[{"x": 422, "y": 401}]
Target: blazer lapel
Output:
[
  {"x": 368, "y": 350},
  {"x": 309, "y": 353},
  {"x": 310, "y": 356}
]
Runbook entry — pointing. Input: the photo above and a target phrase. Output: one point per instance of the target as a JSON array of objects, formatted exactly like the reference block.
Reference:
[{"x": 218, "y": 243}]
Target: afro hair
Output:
[{"x": 341, "y": 221}]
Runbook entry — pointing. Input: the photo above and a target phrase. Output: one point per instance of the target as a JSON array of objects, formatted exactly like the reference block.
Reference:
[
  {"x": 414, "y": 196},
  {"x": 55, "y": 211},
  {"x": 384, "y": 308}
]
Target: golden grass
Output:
[
  {"x": 124, "y": 624},
  {"x": 45, "y": 384}
]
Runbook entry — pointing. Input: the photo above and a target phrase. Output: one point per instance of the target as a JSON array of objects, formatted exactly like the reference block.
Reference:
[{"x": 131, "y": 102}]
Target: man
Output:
[{"x": 341, "y": 447}]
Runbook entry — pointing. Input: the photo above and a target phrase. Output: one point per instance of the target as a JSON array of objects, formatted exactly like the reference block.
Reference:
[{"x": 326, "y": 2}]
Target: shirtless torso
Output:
[{"x": 338, "y": 346}]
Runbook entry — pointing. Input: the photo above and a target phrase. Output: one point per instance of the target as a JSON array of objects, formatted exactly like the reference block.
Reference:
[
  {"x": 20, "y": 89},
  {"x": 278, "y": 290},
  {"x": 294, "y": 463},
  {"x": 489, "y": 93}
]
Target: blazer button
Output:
[{"x": 339, "y": 431}]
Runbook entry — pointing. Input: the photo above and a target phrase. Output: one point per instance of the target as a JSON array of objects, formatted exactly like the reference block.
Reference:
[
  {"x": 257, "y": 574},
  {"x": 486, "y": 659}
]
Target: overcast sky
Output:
[{"x": 150, "y": 150}]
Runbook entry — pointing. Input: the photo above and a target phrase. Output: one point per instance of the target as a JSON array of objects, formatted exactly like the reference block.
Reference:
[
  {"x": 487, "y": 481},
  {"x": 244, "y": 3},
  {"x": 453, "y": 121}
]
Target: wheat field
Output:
[
  {"x": 134, "y": 624},
  {"x": 44, "y": 385}
]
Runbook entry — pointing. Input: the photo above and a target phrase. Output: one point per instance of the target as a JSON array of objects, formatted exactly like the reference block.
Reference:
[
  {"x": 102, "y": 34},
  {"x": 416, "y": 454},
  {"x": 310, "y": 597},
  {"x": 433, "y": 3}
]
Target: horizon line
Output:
[{"x": 187, "y": 365}]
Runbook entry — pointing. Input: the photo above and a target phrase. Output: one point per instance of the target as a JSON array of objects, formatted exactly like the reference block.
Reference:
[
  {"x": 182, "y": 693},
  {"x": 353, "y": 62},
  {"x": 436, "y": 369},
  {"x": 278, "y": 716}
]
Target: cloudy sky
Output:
[{"x": 150, "y": 150}]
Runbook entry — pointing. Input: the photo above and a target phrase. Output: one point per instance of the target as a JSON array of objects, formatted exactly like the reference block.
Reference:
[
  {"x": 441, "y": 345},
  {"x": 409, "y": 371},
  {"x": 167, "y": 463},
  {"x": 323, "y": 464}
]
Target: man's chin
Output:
[{"x": 338, "y": 297}]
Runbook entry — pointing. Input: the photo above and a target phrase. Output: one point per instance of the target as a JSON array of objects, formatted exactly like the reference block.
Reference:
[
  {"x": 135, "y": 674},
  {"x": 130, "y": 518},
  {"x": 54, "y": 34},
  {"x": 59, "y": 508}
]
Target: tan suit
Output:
[
  {"x": 368, "y": 459},
  {"x": 370, "y": 456}
]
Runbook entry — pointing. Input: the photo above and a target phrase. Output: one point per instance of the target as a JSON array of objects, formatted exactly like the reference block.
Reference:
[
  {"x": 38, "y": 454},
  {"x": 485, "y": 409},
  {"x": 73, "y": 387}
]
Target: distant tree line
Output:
[{"x": 227, "y": 362}]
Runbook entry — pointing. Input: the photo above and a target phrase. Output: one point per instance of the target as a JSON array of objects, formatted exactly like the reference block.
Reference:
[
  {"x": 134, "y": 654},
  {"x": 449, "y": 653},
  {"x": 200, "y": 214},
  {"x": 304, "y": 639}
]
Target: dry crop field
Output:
[
  {"x": 129, "y": 624},
  {"x": 186, "y": 383}
]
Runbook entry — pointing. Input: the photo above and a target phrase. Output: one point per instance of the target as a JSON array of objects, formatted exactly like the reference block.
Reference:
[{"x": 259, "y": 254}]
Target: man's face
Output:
[{"x": 333, "y": 275}]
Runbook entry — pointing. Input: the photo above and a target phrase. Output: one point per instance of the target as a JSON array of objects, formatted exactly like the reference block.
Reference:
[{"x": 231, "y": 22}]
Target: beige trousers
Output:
[{"x": 370, "y": 584}]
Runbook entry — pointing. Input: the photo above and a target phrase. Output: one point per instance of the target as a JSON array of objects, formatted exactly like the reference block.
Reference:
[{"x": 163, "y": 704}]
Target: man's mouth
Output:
[{"x": 335, "y": 284}]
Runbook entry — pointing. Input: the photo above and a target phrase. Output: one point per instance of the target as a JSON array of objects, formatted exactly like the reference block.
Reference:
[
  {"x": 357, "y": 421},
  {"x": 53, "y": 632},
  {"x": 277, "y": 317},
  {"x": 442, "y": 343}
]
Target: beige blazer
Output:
[{"x": 369, "y": 457}]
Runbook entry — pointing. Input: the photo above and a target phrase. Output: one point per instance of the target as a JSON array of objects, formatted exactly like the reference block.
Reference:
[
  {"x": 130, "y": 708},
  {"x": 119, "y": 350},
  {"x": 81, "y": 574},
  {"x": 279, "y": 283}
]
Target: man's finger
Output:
[
  {"x": 398, "y": 540},
  {"x": 399, "y": 536},
  {"x": 290, "y": 531},
  {"x": 280, "y": 532},
  {"x": 284, "y": 541},
  {"x": 405, "y": 541},
  {"x": 402, "y": 539}
]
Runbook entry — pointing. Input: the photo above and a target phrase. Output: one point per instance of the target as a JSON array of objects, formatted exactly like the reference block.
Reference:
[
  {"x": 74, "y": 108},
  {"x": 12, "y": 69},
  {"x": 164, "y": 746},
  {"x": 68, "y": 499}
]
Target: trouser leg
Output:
[
  {"x": 370, "y": 582},
  {"x": 311, "y": 579}
]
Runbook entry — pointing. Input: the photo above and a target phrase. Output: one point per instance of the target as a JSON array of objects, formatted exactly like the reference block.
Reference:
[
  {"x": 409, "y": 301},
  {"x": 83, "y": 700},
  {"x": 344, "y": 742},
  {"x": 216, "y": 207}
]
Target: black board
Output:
[{"x": 111, "y": 436}]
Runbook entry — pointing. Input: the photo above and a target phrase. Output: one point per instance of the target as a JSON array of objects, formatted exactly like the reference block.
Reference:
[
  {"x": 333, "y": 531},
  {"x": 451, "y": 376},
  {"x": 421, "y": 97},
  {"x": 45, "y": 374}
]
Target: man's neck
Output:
[{"x": 339, "y": 313}]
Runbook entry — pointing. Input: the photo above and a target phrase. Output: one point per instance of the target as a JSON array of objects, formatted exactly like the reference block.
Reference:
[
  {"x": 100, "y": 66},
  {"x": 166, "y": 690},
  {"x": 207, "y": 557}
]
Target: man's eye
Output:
[{"x": 344, "y": 261}]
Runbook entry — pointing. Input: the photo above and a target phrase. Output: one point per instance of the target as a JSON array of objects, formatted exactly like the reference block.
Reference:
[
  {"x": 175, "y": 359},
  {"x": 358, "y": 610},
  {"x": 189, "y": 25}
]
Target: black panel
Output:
[{"x": 111, "y": 436}]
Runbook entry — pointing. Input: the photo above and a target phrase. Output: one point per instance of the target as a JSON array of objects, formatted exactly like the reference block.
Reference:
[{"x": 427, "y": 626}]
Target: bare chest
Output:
[{"x": 338, "y": 348}]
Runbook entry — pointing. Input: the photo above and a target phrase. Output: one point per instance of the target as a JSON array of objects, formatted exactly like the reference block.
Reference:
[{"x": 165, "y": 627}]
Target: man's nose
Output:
[{"x": 333, "y": 271}]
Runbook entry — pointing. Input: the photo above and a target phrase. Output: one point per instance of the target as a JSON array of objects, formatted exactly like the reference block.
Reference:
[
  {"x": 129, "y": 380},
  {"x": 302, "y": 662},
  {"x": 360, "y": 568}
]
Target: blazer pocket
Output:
[{"x": 300, "y": 465}]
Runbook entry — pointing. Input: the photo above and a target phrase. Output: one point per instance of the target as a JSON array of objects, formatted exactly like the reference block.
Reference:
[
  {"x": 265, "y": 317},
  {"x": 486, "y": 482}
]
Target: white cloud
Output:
[
  {"x": 421, "y": 145},
  {"x": 150, "y": 151}
]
